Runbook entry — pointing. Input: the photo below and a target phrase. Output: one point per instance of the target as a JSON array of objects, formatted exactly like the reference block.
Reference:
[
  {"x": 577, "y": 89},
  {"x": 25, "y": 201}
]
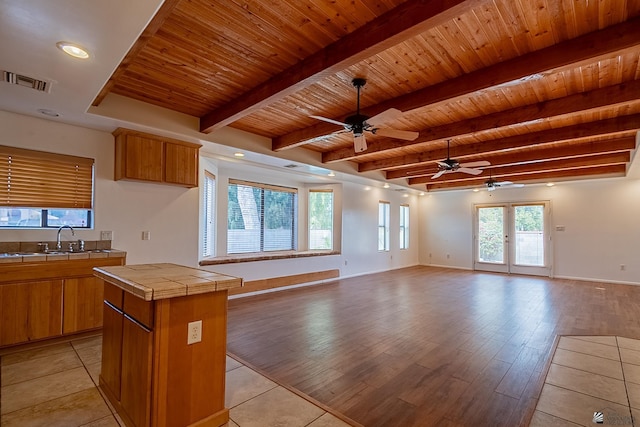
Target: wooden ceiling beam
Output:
[
  {"x": 623, "y": 125},
  {"x": 592, "y": 47},
  {"x": 608, "y": 97},
  {"x": 410, "y": 19},
  {"x": 544, "y": 153},
  {"x": 567, "y": 175},
  {"x": 539, "y": 167}
]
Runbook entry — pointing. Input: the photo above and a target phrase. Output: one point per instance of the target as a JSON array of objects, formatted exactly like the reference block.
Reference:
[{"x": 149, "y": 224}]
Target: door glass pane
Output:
[
  {"x": 529, "y": 226},
  {"x": 490, "y": 235}
]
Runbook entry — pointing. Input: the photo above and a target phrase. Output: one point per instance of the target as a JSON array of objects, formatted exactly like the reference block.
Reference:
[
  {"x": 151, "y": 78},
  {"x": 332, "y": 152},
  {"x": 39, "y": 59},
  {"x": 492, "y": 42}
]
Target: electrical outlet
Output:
[
  {"x": 146, "y": 235},
  {"x": 106, "y": 235},
  {"x": 448, "y": 256},
  {"x": 623, "y": 267},
  {"x": 194, "y": 332}
]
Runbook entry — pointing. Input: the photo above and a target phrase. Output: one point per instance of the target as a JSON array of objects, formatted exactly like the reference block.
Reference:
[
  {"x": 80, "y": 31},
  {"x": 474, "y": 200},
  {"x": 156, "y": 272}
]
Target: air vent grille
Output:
[
  {"x": 291, "y": 166},
  {"x": 26, "y": 81}
]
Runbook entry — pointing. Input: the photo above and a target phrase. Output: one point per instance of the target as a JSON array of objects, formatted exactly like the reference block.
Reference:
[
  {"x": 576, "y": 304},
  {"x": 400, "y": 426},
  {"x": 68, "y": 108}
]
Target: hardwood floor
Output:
[{"x": 425, "y": 346}]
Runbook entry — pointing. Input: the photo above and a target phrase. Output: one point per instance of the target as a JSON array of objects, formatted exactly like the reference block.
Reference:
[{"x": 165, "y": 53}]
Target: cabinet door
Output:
[
  {"x": 82, "y": 304},
  {"x": 143, "y": 158},
  {"x": 137, "y": 342},
  {"x": 181, "y": 164},
  {"x": 111, "y": 370},
  {"x": 30, "y": 311}
]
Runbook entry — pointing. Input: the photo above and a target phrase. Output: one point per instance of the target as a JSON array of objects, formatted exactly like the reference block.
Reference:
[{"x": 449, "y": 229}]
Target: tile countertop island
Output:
[
  {"x": 158, "y": 281},
  {"x": 164, "y": 340}
]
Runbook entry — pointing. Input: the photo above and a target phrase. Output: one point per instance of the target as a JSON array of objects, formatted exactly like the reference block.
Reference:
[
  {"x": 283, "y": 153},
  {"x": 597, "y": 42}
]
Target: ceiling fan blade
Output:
[
  {"x": 443, "y": 164},
  {"x": 390, "y": 114},
  {"x": 504, "y": 183},
  {"x": 439, "y": 174},
  {"x": 359, "y": 143},
  {"x": 395, "y": 133},
  {"x": 470, "y": 171},
  {"x": 335, "y": 122},
  {"x": 475, "y": 164}
]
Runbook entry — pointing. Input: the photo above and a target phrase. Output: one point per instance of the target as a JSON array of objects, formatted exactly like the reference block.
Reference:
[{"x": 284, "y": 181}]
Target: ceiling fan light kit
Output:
[{"x": 358, "y": 123}]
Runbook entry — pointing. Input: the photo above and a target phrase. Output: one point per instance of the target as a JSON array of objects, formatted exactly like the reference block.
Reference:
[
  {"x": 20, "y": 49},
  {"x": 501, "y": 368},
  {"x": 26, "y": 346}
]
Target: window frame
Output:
[
  {"x": 262, "y": 187},
  {"x": 69, "y": 182},
  {"x": 384, "y": 212},
  {"x": 309, "y": 229},
  {"x": 209, "y": 222},
  {"x": 404, "y": 226}
]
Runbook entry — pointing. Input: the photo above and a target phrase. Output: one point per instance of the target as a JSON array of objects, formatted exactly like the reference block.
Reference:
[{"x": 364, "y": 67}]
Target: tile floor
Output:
[
  {"x": 591, "y": 376},
  {"x": 56, "y": 386}
]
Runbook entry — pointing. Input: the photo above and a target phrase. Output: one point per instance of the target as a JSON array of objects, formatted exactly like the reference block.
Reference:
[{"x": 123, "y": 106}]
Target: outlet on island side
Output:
[{"x": 194, "y": 332}]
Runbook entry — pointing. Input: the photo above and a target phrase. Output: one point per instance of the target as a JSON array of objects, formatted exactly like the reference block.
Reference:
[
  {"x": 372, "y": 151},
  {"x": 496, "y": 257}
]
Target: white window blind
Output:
[
  {"x": 38, "y": 179},
  {"x": 261, "y": 217},
  {"x": 209, "y": 202}
]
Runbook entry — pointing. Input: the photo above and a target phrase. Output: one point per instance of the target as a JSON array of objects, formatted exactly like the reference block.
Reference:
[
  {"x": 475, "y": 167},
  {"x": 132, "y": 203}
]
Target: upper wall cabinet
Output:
[{"x": 145, "y": 157}]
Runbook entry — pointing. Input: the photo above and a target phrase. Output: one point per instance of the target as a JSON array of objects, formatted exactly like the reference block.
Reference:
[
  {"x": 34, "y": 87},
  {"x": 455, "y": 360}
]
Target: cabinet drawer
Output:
[
  {"x": 114, "y": 295},
  {"x": 139, "y": 309}
]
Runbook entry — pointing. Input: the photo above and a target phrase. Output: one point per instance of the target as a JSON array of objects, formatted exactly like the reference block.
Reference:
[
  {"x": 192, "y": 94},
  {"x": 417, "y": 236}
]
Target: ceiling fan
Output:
[
  {"x": 492, "y": 184},
  {"x": 359, "y": 123},
  {"x": 450, "y": 165}
]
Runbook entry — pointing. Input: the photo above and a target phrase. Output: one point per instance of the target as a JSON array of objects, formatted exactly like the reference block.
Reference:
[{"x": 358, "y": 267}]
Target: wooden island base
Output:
[{"x": 149, "y": 372}]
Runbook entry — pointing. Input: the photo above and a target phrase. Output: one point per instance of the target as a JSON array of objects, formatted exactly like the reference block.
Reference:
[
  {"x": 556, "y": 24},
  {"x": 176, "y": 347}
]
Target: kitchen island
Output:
[{"x": 164, "y": 344}]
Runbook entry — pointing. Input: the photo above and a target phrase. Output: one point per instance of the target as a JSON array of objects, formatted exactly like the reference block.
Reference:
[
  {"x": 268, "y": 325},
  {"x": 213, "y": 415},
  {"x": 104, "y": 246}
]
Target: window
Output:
[
  {"x": 39, "y": 189},
  {"x": 261, "y": 218},
  {"x": 383, "y": 226},
  {"x": 209, "y": 202},
  {"x": 320, "y": 219},
  {"x": 404, "y": 226}
]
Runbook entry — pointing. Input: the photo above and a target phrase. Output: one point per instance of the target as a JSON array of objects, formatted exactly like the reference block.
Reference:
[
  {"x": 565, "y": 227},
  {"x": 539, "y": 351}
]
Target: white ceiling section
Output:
[{"x": 29, "y": 31}]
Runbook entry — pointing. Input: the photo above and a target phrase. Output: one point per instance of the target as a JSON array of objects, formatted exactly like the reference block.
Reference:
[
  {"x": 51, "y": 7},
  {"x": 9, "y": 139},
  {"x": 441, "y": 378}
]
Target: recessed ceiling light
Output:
[
  {"x": 421, "y": 193},
  {"x": 331, "y": 174},
  {"x": 550, "y": 184},
  {"x": 73, "y": 49},
  {"x": 49, "y": 113},
  {"x": 238, "y": 154},
  {"x": 475, "y": 190},
  {"x": 386, "y": 185},
  {"x": 367, "y": 188}
]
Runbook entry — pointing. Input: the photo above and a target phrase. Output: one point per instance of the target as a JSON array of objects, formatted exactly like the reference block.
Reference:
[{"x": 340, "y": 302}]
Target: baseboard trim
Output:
[{"x": 590, "y": 279}]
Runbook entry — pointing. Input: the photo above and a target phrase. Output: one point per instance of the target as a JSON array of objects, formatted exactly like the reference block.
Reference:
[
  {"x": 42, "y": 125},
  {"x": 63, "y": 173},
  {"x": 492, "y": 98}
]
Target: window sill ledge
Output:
[{"x": 232, "y": 259}]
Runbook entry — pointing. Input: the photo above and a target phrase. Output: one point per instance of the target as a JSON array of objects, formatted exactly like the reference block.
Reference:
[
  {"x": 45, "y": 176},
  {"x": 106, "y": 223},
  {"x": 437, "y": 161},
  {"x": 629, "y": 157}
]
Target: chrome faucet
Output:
[{"x": 58, "y": 244}]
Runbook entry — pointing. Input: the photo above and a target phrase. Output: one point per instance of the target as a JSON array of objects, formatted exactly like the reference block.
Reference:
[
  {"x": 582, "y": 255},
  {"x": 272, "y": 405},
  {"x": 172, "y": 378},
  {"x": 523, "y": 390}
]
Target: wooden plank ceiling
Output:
[{"x": 542, "y": 90}]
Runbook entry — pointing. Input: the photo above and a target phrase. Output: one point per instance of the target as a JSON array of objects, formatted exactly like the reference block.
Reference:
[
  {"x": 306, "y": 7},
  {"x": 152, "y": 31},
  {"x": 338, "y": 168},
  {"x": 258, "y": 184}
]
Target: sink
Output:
[{"x": 9, "y": 254}]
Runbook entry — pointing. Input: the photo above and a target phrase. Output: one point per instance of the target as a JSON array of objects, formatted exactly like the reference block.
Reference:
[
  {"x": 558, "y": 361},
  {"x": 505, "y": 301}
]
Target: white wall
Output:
[
  {"x": 171, "y": 214},
  {"x": 601, "y": 219}
]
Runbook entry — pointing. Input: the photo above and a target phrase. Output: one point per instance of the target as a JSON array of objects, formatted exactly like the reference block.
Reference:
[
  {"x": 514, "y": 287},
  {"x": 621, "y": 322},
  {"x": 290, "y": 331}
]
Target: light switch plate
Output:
[{"x": 106, "y": 235}]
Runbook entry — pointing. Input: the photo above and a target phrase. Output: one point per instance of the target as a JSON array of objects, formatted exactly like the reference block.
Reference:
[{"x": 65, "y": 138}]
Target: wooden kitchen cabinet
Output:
[
  {"x": 146, "y": 157},
  {"x": 135, "y": 397},
  {"x": 82, "y": 304},
  {"x": 30, "y": 311},
  {"x": 47, "y": 299},
  {"x": 111, "y": 370}
]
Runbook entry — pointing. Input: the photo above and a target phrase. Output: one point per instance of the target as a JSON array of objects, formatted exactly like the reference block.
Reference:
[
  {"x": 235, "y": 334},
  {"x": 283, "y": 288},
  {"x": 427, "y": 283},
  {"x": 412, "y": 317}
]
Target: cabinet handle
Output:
[
  {"x": 113, "y": 307},
  {"x": 137, "y": 322}
]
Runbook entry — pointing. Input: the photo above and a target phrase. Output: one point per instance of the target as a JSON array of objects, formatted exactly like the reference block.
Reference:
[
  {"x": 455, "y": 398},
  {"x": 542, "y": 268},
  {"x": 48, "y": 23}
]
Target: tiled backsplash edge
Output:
[{"x": 89, "y": 245}]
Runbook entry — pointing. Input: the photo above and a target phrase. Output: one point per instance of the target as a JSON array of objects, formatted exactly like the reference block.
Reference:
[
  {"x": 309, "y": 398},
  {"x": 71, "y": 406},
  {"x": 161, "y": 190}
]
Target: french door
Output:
[{"x": 513, "y": 238}]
